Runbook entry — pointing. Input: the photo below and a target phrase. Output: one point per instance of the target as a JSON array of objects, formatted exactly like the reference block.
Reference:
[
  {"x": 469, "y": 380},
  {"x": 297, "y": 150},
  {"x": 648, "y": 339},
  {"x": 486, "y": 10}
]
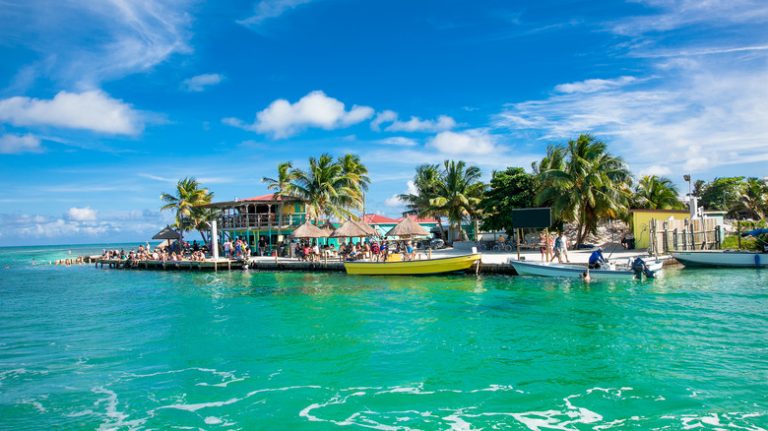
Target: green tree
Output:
[
  {"x": 657, "y": 193},
  {"x": 586, "y": 185},
  {"x": 508, "y": 189},
  {"x": 722, "y": 194},
  {"x": 425, "y": 184},
  {"x": 187, "y": 202},
  {"x": 281, "y": 185},
  {"x": 753, "y": 201},
  {"x": 328, "y": 188},
  {"x": 458, "y": 193}
]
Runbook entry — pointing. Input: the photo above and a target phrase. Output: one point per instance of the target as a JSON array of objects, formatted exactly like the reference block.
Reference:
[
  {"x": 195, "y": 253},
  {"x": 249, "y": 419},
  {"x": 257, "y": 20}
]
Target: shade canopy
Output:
[
  {"x": 167, "y": 233},
  {"x": 406, "y": 228},
  {"x": 755, "y": 232},
  {"x": 308, "y": 230},
  {"x": 349, "y": 229},
  {"x": 367, "y": 228}
]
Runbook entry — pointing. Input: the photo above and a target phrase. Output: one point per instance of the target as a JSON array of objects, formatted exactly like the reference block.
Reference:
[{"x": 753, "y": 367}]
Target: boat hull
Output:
[
  {"x": 722, "y": 258},
  {"x": 416, "y": 267},
  {"x": 557, "y": 270}
]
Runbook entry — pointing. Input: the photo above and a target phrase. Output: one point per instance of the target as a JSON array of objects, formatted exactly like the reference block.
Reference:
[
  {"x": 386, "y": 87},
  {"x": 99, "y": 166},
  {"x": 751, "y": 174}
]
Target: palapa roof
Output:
[
  {"x": 349, "y": 229},
  {"x": 167, "y": 233},
  {"x": 308, "y": 230},
  {"x": 366, "y": 227},
  {"x": 407, "y": 227}
]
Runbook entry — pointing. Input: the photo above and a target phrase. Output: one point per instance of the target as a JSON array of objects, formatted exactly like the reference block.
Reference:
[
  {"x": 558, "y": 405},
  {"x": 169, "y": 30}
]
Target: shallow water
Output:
[{"x": 87, "y": 348}]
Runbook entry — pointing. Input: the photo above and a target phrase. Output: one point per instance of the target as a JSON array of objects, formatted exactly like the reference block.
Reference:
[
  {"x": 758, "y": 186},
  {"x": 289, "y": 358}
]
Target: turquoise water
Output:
[{"x": 86, "y": 348}]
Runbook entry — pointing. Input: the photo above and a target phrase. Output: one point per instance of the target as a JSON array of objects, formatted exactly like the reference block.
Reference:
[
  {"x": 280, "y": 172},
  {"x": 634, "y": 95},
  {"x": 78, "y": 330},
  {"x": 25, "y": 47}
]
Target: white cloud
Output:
[
  {"x": 16, "y": 144},
  {"x": 90, "y": 110},
  {"x": 383, "y": 117},
  {"x": 695, "y": 117},
  {"x": 81, "y": 214},
  {"x": 201, "y": 82},
  {"x": 111, "y": 38},
  {"x": 282, "y": 118},
  {"x": 413, "y": 124},
  {"x": 266, "y": 9},
  {"x": 657, "y": 170},
  {"x": 394, "y": 201},
  {"x": 474, "y": 141},
  {"x": 592, "y": 85},
  {"x": 400, "y": 141}
]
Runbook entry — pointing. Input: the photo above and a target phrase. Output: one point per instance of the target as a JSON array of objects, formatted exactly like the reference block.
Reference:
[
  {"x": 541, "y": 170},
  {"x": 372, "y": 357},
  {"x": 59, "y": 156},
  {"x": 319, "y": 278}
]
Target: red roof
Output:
[
  {"x": 420, "y": 220},
  {"x": 378, "y": 219},
  {"x": 265, "y": 198}
]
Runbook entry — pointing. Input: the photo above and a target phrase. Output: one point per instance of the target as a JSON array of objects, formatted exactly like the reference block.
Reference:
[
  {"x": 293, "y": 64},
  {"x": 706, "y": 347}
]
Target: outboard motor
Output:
[{"x": 639, "y": 268}]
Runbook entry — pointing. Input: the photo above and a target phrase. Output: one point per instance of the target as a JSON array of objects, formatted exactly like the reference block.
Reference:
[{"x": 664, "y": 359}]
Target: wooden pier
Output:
[{"x": 182, "y": 265}]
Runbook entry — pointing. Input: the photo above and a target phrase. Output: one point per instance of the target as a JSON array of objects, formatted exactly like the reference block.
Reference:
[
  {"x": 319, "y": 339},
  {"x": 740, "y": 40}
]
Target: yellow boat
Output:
[{"x": 414, "y": 267}]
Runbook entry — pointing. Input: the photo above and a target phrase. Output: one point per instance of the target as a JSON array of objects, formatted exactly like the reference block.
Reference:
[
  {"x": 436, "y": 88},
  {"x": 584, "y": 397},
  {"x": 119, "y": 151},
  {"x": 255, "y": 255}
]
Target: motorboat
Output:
[
  {"x": 611, "y": 272},
  {"x": 414, "y": 267}
]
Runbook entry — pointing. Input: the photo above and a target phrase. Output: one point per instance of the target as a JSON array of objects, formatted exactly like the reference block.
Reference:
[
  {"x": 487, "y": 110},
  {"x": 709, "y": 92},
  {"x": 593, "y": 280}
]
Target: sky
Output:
[{"x": 105, "y": 105}]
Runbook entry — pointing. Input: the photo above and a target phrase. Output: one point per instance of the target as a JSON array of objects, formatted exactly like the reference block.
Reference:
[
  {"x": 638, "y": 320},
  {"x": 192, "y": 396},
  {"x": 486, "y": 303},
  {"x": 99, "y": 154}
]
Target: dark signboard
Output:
[{"x": 532, "y": 218}]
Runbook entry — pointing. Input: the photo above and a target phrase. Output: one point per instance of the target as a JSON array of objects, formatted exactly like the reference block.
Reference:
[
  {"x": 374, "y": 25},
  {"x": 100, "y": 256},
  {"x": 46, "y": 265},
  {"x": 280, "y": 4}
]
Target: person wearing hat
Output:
[{"x": 596, "y": 259}]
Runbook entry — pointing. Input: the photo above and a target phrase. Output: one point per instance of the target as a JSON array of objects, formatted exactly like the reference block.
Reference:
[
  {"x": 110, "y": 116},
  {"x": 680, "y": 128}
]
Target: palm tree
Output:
[
  {"x": 588, "y": 185},
  {"x": 425, "y": 184},
  {"x": 323, "y": 188},
  {"x": 654, "y": 192},
  {"x": 754, "y": 198},
  {"x": 282, "y": 183},
  {"x": 357, "y": 181},
  {"x": 458, "y": 193},
  {"x": 187, "y": 203}
]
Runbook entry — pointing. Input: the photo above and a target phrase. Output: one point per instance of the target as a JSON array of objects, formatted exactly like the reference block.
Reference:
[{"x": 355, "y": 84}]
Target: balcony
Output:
[{"x": 260, "y": 221}]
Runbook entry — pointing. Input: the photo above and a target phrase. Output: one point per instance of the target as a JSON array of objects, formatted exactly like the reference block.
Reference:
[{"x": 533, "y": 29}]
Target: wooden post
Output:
[
  {"x": 738, "y": 233},
  {"x": 519, "y": 231},
  {"x": 675, "y": 241},
  {"x": 546, "y": 244}
]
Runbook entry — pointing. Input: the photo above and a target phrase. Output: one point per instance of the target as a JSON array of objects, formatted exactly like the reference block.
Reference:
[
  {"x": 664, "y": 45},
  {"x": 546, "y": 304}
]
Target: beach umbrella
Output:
[
  {"x": 366, "y": 227},
  {"x": 308, "y": 230},
  {"x": 167, "y": 233},
  {"x": 349, "y": 229},
  {"x": 407, "y": 228}
]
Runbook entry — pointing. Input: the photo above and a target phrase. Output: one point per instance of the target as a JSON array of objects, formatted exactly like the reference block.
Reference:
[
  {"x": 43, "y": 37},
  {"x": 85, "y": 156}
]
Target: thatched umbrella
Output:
[
  {"x": 407, "y": 228},
  {"x": 167, "y": 233},
  {"x": 308, "y": 230},
  {"x": 366, "y": 227},
  {"x": 349, "y": 229}
]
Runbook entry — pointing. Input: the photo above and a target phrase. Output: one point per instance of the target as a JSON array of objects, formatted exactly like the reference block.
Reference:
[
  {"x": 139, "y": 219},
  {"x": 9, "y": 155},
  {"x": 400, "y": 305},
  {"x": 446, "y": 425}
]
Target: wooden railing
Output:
[{"x": 260, "y": 221}]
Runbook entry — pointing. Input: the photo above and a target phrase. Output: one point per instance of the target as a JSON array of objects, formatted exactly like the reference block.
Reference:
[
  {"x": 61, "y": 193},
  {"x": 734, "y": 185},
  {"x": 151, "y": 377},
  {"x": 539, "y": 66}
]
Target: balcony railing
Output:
[{"x": 260, "y": 221}]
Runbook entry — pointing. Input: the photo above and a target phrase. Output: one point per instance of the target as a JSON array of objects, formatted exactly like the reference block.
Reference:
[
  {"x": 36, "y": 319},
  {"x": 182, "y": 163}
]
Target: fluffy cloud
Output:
[
  {"x": 394, "y": 201},
  {"x": 90, "y": 110},
  {"x": 592, "y": 85},
  {"x": 283, "y": 118},
  {"x": 15, "y": 144},
  {"x": 266, "y": 9},
  {"x": 81, "y": 214},
  {"x": 201, "y": 82},
  {"x": 131, "y": 36},
  {"x": 413, "y": 124},
  {"x": 468, "y": 142},
  {"x": 398, "y": 141},
  {"x": 696, "y": 117}
]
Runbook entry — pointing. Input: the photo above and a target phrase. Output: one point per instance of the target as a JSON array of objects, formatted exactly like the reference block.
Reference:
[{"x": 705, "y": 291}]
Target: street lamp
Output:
[{"x": 692, "y": 202}]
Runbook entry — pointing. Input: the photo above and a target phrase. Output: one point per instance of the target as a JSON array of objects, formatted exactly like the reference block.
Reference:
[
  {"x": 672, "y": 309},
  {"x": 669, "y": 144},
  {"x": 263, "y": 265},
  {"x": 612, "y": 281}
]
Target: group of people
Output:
[
  {"x": 554, "y": 246},
  {"x": 175, "y": 252},
  {"x": 237, "y": 249},
  {"x": 376, "y": 251}
]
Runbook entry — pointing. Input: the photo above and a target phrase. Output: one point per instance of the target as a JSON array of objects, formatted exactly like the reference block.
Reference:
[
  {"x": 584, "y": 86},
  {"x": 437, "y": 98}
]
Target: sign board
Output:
[{"x": 532, "y": 217}]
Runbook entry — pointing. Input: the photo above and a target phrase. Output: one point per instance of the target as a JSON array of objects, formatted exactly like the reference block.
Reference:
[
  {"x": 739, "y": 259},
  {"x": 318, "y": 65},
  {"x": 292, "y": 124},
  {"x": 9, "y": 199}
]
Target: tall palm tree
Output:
[
  {"x": 458, "y": 193},
  {"x": 282, "y": 183},
  {"x": 323, "y": 188},
  {"x": 754, "y": 198},
  {"x": 589, "y": 185},
  {"x": 420, "y": 200},
  {"x": 187, "y": 202},
  {"x": 654, "y": 192},
  {"x": 357, "y": 181}
]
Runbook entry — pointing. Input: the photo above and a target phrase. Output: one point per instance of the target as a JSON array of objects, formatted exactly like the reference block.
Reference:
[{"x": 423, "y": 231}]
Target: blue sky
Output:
[{"x": 104, "y": 105}]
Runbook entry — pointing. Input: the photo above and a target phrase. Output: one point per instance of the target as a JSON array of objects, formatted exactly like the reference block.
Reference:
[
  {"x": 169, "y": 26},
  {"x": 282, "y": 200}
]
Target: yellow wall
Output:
[{"x": 641, "y": 221}]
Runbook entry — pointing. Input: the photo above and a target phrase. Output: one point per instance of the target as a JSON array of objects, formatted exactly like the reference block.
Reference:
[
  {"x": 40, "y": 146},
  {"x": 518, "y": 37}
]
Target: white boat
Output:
[
  {"x": 722, "y": 258},
  {"x": 549, "y": 269}
]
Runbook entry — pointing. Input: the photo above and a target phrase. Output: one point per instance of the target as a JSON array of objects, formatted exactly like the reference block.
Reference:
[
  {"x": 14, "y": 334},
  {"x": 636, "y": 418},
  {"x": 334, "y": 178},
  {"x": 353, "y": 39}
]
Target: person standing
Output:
[{"x": 560, "y": 249}]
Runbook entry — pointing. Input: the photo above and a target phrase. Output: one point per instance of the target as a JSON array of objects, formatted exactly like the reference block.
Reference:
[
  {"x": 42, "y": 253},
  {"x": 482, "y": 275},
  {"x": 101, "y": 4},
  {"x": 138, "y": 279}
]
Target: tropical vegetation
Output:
[
  {"x": 508, "y": 189},
  {"x": 583, "y": 183},
  {"x": 187, "y": 202},
  {"x": 656, "y": 193},
  {"x": 328, "y": 187}
]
